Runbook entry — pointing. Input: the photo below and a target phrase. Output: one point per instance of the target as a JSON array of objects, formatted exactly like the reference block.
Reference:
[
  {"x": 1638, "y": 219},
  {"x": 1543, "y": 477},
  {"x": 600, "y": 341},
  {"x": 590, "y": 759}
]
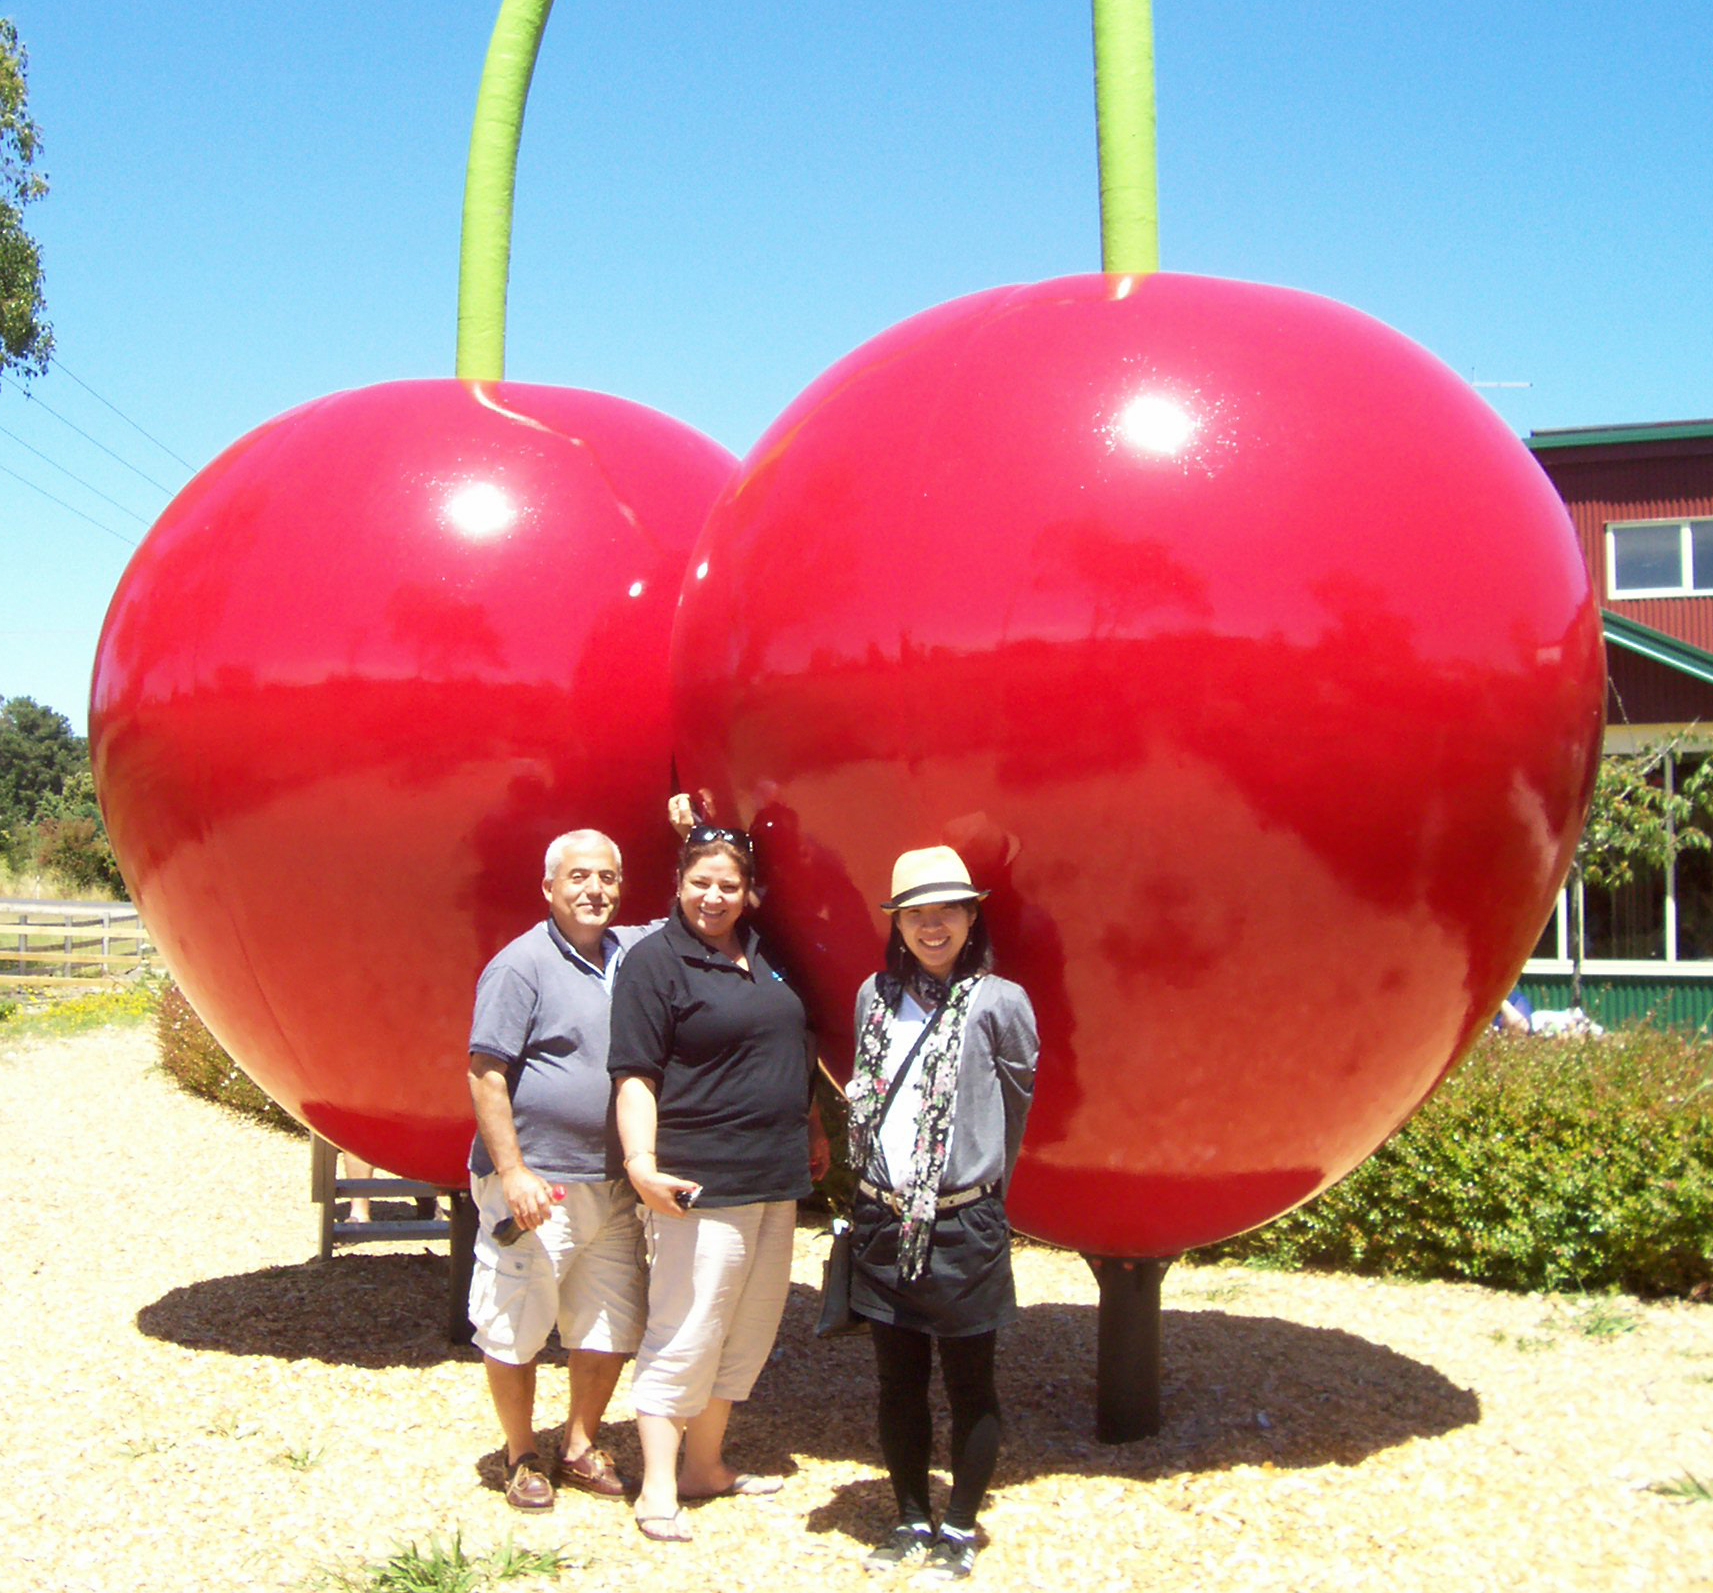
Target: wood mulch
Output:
[{"x": 218, "y": 1409}]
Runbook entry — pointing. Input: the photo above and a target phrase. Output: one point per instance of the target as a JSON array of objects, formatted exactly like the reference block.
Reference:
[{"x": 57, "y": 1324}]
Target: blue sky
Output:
[{"x": 255, "y": 205}]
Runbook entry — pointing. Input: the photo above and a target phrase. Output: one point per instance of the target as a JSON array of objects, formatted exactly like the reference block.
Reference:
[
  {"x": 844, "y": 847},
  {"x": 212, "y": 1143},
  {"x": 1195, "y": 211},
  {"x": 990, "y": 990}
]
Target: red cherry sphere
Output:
[
  {"x": 366, "y": 665},
  {"x": 1246, "y": 656}
]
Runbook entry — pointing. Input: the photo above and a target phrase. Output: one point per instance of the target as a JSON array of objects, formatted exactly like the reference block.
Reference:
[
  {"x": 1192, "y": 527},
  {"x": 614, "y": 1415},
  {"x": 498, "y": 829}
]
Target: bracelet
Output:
[{"x": 635, "y": 1154}]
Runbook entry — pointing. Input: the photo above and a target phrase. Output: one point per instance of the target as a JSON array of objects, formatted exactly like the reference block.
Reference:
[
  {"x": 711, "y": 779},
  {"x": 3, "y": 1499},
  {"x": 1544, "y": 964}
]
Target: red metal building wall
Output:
[
  {"x": 1640, "y": 691},
  {"x": 1637, "y": 481}
]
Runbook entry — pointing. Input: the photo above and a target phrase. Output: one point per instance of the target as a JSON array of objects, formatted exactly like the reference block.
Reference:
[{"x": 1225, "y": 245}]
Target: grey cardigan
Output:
[{"x": 996, "y": 1077}]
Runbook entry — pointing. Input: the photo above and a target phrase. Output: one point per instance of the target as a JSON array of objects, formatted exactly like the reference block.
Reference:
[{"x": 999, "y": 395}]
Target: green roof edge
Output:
[
  {"x": 1591, "y": 436},
  {"x": 1635, "y": 637}
]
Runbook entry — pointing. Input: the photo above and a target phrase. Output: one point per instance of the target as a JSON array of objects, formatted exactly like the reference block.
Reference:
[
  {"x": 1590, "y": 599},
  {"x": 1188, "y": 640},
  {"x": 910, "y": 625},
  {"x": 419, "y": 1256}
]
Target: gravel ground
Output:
[{"x": 236, "y": 1414}]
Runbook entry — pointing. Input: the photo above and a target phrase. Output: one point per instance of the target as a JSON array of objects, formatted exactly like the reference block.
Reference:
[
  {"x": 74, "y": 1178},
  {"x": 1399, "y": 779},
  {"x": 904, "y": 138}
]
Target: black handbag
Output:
[{"x": 836, "y": 1314}]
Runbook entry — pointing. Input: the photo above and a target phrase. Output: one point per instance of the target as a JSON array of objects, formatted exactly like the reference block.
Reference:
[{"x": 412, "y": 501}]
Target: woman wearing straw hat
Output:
[{"x": 945, "y": 1066}]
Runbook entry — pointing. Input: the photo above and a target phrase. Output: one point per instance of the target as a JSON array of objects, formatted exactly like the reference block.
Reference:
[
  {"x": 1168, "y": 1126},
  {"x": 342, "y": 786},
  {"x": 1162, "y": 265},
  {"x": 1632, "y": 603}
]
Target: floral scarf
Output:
[{"x": 938, "y": 1058}]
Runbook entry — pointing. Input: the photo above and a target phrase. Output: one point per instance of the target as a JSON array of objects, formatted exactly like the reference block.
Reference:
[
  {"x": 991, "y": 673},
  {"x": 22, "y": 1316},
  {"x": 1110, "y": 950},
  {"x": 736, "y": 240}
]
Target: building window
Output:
[
  {"x": 1658, "y": 558},
  {"x": 1551, "y": 945},
  {"x": 1662, "y": 915},
  {"x": 1694, "y": 884},
  {"x": 1625, "y": 923}
]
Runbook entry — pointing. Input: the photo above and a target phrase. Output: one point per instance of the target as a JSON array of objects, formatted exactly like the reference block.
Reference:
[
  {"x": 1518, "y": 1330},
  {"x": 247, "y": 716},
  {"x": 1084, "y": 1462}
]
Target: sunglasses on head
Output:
[{"x": 702, "y": 834}]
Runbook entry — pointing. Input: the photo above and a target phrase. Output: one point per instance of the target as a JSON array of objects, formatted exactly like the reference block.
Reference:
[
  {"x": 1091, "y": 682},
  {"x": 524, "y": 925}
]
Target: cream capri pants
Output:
[{"x": 716, "y": 1292}]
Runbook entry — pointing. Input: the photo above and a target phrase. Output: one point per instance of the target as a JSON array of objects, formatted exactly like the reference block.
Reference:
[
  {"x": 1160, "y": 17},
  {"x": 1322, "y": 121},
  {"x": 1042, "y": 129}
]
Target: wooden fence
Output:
[{"x": 70, "y": 944}]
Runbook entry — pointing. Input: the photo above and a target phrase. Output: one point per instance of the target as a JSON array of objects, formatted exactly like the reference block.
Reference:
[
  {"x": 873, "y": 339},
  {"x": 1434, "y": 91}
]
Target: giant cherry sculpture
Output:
[
  {"x": 366, "y": 663},
  {"x": 1251, "y": 659}
]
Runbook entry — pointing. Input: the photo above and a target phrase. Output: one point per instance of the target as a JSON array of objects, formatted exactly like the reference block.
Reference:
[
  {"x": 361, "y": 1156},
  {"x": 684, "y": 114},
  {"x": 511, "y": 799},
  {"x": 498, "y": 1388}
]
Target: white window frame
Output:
[{"x": 1685, "y": 558}]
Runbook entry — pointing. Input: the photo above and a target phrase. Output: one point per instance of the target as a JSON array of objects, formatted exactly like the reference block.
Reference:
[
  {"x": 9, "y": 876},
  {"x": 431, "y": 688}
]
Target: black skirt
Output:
[{"x": 966, "y": 1286}]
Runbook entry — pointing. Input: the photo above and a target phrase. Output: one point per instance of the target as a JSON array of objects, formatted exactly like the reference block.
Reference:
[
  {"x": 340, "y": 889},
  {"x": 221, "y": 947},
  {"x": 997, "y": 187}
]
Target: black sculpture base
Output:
[{"x": 1127, "y": 1362}]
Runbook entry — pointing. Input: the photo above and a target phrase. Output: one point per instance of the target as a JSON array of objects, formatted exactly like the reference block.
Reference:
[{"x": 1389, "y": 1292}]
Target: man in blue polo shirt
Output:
[{"x": 538, "y": 1078}]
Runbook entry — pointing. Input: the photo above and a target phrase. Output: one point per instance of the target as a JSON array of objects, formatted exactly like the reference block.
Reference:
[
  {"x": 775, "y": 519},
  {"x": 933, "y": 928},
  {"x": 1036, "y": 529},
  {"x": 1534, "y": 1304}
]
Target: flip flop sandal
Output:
[
  {"x": 747, "y": 1484},
  {"x": 656, "y": 1528}
]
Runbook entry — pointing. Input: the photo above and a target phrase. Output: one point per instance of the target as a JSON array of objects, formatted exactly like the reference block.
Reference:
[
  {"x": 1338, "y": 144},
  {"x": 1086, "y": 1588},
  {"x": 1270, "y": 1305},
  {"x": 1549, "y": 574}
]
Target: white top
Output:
[{"x": 898, "y": 1129}]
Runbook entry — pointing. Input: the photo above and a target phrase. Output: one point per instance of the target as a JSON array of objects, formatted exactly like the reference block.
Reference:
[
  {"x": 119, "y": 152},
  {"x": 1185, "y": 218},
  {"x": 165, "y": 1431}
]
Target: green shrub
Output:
[
  {"x": 194, "y": 1060},
  {"x": 1572, "y": 1163},
  {"x": 75, "y": 849}
]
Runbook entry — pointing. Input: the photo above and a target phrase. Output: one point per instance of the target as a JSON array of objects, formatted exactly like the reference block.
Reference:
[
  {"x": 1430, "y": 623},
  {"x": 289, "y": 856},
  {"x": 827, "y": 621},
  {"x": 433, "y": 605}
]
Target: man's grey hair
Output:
[{"x": 570, "y": 840}]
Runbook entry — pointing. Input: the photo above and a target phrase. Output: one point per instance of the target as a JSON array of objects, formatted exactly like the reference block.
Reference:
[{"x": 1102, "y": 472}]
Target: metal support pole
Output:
[
  {"x": 323, "y": 1178},
  {"x": 459, "y": 1329},
  {"x": 1127, "y": 1362}
]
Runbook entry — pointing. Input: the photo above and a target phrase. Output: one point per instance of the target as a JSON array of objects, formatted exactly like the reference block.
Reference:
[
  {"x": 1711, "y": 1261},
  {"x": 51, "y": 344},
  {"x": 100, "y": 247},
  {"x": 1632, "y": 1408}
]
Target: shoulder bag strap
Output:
[{"x": 904, "y": 1067}]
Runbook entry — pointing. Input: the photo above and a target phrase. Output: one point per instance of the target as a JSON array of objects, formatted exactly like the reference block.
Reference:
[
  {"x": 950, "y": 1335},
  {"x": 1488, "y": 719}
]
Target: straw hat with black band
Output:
[{"x": 932, "y": 874}]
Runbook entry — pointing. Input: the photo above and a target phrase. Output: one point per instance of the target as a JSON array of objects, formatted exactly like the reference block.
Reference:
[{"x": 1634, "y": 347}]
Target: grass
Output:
[
  {"x": 94, "y": 1009},
  {"x": 1599, "y": 1318},
  {"x": 44, "y": 885},
  {"x": 301, "y": 1459},
  {"x": 509, "y": 1561},
  {"x": 71, "y": 949},
  {"x": 29, "y": 951},
  {"x": 227, "y": 1423},
  {"x": 1605, "y": 1319},
  {"x": 450, "y": 1568},
  {"x": 1689, "y": 1488},
  {"x": 1528, "y": 1343},
  {"x": 136, "y": 1448}
]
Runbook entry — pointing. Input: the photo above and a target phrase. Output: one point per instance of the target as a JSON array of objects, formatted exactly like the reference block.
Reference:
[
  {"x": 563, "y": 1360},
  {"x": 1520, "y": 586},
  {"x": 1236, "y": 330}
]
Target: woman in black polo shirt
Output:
[
  {"x": 944, "y": 1073},
  {"x": 713, "y": 1063}
]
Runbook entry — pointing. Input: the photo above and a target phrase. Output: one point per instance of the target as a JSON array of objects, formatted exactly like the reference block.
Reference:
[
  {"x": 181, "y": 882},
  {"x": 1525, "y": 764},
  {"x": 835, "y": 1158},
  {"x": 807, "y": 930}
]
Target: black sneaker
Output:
[
  {"x": 908, "y": 1546},
  {"x": 950, "y": 1560}
]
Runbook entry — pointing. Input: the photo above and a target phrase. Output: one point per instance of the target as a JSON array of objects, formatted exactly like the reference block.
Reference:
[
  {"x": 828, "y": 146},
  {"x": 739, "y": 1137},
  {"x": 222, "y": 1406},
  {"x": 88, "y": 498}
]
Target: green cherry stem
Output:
[
  {"x": 1124, "y": 121},
  {"x": 485, "y": 252}
]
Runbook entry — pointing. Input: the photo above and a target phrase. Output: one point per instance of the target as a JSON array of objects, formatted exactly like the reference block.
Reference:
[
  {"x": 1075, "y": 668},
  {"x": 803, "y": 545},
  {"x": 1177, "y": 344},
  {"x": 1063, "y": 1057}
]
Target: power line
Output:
[
  {"x": 74, "y": 476},
  {"x": 162, "y": 486},
  {"x": 72, "y": 507},
  {"x": 54, "y": 358}
]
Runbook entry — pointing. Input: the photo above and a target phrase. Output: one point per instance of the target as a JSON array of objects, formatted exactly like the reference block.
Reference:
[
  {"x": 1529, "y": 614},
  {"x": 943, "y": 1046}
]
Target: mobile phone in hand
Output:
[{"x": 508, "y": 1230}]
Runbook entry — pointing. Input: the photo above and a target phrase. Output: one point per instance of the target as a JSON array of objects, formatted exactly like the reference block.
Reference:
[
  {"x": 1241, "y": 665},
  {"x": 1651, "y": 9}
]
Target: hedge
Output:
[
  {"x": 1564, "y": 1163},
  {"x": 193, "y": 1059}
]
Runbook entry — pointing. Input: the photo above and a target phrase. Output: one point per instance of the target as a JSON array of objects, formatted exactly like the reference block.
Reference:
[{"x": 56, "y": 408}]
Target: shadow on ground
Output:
[
  {"x": 351, "y": 1310},
  {"x": 1238, "y": 1390}
]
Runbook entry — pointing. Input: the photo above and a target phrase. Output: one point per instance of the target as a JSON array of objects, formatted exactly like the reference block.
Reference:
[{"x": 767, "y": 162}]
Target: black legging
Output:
[{"x": 905, "y": 1361}]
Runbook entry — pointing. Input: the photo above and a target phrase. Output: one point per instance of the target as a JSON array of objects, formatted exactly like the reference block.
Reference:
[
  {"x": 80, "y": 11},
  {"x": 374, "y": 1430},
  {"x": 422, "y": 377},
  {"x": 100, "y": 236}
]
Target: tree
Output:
[
  {"x": 26, "y": 339},
  {"x": 39, "y": 755},
  {"x": 49, "y": 818},
  {"x": 1638, "y": 819}
]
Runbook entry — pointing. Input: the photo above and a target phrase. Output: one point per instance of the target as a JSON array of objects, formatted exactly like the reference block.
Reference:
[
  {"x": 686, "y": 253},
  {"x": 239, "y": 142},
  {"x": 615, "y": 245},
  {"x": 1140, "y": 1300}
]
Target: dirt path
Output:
[{"x": 229, "y": 1413}]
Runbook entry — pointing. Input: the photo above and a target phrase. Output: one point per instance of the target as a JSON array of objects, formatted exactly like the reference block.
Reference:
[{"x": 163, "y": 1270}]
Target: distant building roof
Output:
[{"x": 1593, "y": 436}]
